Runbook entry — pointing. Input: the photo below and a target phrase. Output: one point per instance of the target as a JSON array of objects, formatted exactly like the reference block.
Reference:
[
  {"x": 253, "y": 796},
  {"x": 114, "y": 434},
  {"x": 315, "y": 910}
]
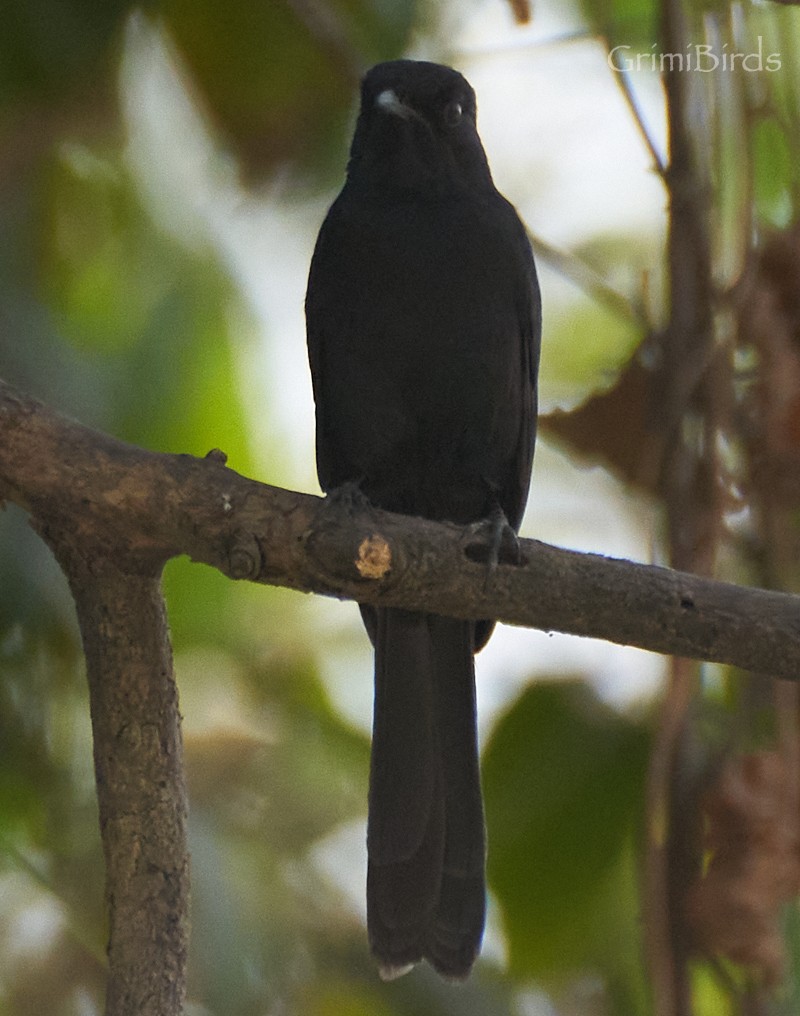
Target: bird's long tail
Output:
[{"x": 426, "y": 842}]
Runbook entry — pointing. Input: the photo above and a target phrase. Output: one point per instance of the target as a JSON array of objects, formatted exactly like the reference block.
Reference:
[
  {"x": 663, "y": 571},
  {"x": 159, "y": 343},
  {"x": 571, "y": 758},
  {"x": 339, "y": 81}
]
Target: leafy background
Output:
[{"x": 163, "y": 169}]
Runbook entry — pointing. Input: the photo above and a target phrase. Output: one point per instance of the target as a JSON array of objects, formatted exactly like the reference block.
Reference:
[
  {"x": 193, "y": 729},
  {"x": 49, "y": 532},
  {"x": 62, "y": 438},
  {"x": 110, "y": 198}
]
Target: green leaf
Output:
[
  {"x": 623, "y": 22},
  {"x": 585, "y": 349},
  {"x": 48, "y": 47},
  {"x": 102, "y": 263},
  {"x": 279, "y": 78},
  {"x": 774, "y": 172},
  {"x": 341, "y": 998},
  {"x": 564, "y": 779}
]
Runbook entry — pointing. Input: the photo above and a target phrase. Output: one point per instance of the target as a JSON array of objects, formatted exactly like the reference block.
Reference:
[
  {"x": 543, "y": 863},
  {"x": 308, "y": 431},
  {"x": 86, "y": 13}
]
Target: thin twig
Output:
[
  {"x": 661, "y": 959},
  {"x": 624, "y": 84},
  {"x": 587, "y": 279}
]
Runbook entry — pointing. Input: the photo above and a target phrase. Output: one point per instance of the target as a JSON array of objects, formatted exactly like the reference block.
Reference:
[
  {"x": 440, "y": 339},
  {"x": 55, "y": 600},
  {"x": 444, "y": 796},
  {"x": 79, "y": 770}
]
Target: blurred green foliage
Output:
[
  {"x": 631, "y": 23},
  {"x": 48, "y": 49},
  {"x": 239, "y": 55},
  {"x": 564, "y": 869},
  {"x": 109, "y": 314}
]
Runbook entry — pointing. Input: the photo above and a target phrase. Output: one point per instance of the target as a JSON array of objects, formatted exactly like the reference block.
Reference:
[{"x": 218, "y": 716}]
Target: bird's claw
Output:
[{"x": 498, "y": 543}]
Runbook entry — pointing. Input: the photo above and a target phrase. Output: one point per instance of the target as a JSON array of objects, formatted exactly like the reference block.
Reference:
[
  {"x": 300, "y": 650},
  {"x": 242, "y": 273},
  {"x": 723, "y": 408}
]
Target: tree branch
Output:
[
  {"x": 141, "y": 789},
  {"x": 139, "y": 508},
  {"x": 689, "y": 394}
]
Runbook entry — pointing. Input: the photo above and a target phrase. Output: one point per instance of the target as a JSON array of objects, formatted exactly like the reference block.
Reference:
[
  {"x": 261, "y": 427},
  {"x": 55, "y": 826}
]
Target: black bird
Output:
[{"x": 423, "y": 319}]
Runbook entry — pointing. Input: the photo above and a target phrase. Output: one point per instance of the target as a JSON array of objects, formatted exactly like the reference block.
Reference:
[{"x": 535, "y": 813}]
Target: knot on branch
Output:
[
  {"x": 341, "y": 547},
  {"x": 374, "y": 559},
  {"x": 244, "y": 556}
]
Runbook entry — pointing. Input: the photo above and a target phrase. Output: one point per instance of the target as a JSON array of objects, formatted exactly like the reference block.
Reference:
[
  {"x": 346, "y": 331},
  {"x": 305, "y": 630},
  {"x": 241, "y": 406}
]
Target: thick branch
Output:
[
  {"x": 140, "y": 508},
  {"x": 141, "y": 789}
]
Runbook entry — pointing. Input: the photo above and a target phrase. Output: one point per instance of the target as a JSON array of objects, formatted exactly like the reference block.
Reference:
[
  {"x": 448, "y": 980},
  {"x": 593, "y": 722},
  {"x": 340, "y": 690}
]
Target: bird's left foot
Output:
[{"x": 498, "y": 544}]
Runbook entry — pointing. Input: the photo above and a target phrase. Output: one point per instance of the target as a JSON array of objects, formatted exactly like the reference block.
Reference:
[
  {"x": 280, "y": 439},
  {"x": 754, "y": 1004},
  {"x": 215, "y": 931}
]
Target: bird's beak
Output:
[{"x": 388, "y": 101}]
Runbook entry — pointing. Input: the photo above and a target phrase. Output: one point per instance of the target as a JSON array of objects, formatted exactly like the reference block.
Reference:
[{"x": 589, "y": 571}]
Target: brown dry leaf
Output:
[
  {"x": 611, "y": 428},
  {"x": 753, "y": 838},
  {"x": 770, "y": 324}
]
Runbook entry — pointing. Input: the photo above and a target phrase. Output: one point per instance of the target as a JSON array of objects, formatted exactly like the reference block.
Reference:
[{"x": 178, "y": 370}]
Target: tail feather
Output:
[
  {"x": 425, "y": 882},
  {"x": 456, "y": 933}
]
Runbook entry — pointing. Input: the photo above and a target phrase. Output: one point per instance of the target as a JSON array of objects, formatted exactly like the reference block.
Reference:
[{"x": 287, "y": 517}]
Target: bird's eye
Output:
[{"x": 453, "y": 112}]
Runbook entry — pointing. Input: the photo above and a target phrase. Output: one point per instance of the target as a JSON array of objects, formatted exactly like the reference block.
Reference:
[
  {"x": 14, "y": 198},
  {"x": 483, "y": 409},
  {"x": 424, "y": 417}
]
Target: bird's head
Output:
[{"x": 417, "y": 130}]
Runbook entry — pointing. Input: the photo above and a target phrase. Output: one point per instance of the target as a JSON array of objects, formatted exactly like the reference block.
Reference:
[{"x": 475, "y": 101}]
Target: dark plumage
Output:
[{"x": 423, "y": 318}]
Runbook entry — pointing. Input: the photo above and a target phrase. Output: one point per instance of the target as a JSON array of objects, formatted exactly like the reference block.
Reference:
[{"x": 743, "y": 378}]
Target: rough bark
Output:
[
  {"x": 138, "y": 508},
  {"x": 141, "y": 790}
]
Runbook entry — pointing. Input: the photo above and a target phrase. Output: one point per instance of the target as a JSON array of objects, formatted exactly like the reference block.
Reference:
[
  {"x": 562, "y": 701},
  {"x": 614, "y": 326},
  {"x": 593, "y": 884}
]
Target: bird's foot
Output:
[
  {"x": 348, "y": 497},
  {"x": 498, "y": 543}
]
